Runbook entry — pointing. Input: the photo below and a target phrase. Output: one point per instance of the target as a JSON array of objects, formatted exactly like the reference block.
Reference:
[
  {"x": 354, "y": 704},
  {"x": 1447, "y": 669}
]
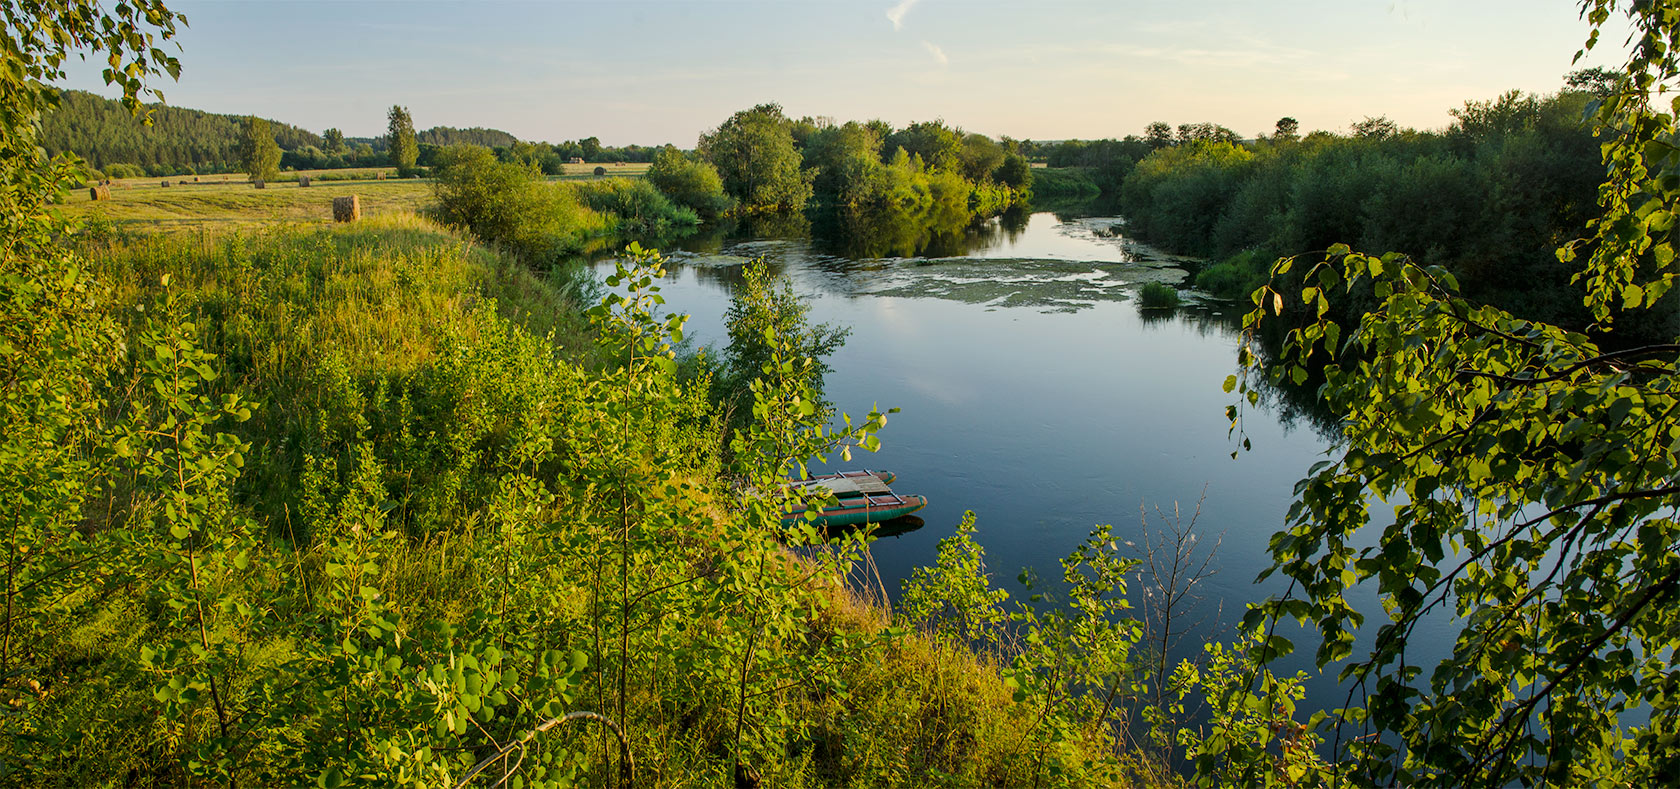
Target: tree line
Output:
[
  {"x": 1490, "y": 198},
  {"x": 770, "y": 162},
  {"x": 186, "y": 141},
  {"x": 103, "y": 132}
]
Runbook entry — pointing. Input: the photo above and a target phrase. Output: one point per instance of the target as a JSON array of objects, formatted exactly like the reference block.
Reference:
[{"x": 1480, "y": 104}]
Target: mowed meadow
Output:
[{"x": 231, "y": 200}]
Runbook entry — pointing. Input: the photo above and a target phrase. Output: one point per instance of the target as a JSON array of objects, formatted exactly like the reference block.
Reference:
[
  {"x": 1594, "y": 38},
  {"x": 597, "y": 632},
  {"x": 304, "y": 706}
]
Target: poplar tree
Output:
[
  {"x": 259, "y": 154},
  {"x": 400, "y": 136}
]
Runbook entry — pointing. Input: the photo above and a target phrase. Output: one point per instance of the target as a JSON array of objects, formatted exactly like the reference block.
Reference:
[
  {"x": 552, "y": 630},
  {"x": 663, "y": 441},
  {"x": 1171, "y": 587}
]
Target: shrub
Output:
[
  {"x": 641, "y": 209},
  {"x": 1237, "y": 276},
  {"x": 510, "y": 205},
  {"x": 689, "y": 183},
  {"x": 121, "y": 170},
  {"x": 1158, "y": 296},
  {"x": 1064, "y": 183}
]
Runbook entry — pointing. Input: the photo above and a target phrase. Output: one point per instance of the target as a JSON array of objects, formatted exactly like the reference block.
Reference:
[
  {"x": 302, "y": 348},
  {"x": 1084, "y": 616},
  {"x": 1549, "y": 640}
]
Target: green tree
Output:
[
  {"x": 1158, "y": 134},
  {"x": 1014, "y": 172},
  {"x": 332, "y": 141},
  {"x": 939, "y": 146},
  {"x": 980, "y": 157},
  {"x": 259, "y": 154},
  {"x": 754, "y": 154},
  {"x": 1287, "y": 128},
  {"x": 846, "y": 160},
  {"x": 1377, "y": 128},
  {"x": 57, "y": 344},
  {"x": 1598, "y": 81},
  {"x": 591, "y": 149},
  {"x": 762, "y": 315},
  {"x": 399, "y": 137},
  {"x": 692, "y": 183},
  {"x": 1532, "y": 473}
]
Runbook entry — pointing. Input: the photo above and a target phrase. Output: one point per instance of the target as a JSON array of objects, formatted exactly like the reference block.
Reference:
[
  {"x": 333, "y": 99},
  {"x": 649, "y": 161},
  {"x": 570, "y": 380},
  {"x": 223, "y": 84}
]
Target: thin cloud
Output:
[
  {"x": 897, "y": 12},
  {"x": 938, "y": 54}
]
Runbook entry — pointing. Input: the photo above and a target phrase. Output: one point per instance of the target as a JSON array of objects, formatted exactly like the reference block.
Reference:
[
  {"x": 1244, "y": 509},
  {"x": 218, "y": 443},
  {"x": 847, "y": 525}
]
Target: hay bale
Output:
[
  {"x": 195, "y": 179},
  {"x": 166, "y": 184},
  {"x": 260, "y": 184},
  {"x": 347, "y": 209},
  {"x": 303, "y": 180},
  {"x": 600, "y": 171},
  {"x": 100, "y": 192},
  {"x": 381, "y": 176}
]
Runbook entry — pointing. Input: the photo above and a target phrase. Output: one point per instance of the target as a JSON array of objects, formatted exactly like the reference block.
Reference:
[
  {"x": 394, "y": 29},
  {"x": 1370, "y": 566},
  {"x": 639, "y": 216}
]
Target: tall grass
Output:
[{"x": 430, "y": 413}]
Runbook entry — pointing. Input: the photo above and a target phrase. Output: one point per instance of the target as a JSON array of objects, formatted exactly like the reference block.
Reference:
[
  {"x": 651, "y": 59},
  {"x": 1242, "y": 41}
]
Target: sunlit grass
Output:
[{"x": 148, "y": 205}]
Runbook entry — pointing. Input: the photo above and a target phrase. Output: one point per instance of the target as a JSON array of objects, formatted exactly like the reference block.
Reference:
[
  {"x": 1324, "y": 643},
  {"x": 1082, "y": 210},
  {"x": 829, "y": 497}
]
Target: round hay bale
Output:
[
  {"x": 303, "y": 180},
  {"x": 100, "y": 192},
  {"x": 600, "y": 171},
  {"x": 347, "y": 209}
]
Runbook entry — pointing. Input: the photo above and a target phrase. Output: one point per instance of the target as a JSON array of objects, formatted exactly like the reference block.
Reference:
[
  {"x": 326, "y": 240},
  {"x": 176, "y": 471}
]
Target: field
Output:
[
  {"x": 235, "y": 203},
  {"x": 226, "y": 200}
]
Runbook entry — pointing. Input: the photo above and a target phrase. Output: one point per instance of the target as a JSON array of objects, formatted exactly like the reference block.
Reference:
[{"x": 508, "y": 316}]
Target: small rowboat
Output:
[
  {"x": 861, "y": 497},
  {"x": 884, "y": 477}
]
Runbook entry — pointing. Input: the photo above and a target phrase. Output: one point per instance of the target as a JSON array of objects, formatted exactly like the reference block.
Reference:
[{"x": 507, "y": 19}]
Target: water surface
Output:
[{"x": 1033, "y": 391}]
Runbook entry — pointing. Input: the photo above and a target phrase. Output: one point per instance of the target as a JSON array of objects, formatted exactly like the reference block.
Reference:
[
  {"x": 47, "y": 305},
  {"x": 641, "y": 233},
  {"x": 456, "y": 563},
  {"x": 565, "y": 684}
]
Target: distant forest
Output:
[
  {"x": 101, "y": 131},
  {"x": 186, "y": 141}
]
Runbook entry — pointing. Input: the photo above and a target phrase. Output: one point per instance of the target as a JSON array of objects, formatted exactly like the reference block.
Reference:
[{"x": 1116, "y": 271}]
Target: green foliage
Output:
[
  {"x": 1014, "y": 172},
  {"x": 1068, "y": 651},
  {"x": 1251, "y": 737},
  {"x": 438, "y": 538},
  {"x": 1157, "y": 296},
  {"x": 939, "y": 147},
  {"x": 1064, "y": 183},
  {"x": 510, "y": 205},
  {"x": 1489, "y": 199},
  {"x": 953, "y": 599},
  {"x": 259, "y": 155},
  {"x": 400, "y": 142},
  {"x": 56, "y": 352},
  {"x": 1532, "y": 474},
  {"x": 1237, "y": 276},
  {"x": 754, "y": 155},
  {"x": 689, "y": 182},
  {"x": 164, "y": 141},
  {"x": 641, "y": 209},
  {"x": 445, "y": 136},
  {"x": 763, "y": 316},
  {"x": 121, "y": 170}
]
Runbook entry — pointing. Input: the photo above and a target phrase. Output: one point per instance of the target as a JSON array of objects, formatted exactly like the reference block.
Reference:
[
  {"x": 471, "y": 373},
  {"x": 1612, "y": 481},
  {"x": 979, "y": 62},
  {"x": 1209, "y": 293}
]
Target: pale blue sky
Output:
[{"x": 652, "y": 72}]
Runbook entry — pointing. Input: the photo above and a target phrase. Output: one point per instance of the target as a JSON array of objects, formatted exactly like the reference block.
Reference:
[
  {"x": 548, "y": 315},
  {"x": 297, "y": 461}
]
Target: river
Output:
[{"x": 1035, "y": 392}]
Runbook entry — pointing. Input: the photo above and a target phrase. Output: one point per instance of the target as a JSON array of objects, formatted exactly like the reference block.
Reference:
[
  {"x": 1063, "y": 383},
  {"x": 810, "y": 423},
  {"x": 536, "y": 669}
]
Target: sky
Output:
[{"x": 664, "y": 71}]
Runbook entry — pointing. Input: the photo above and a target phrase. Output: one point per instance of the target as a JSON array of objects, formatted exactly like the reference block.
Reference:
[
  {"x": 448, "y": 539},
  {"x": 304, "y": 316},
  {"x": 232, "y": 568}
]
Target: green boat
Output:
[{"x": 862, "y": 497}]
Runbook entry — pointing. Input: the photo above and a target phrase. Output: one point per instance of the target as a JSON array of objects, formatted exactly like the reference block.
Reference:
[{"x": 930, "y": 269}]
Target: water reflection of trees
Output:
[{"x": 1293, "y": 404}]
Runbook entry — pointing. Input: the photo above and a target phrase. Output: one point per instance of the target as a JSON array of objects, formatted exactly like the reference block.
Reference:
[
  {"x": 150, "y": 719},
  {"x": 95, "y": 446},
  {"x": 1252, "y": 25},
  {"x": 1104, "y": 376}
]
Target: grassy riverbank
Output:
[{"x": 434, "y": 507}]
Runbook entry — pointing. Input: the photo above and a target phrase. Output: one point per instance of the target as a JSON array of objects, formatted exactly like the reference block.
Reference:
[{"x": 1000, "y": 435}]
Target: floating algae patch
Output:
[
  {"x": 707, "y": 260},
  {"x": 1049, "y": 285}
]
